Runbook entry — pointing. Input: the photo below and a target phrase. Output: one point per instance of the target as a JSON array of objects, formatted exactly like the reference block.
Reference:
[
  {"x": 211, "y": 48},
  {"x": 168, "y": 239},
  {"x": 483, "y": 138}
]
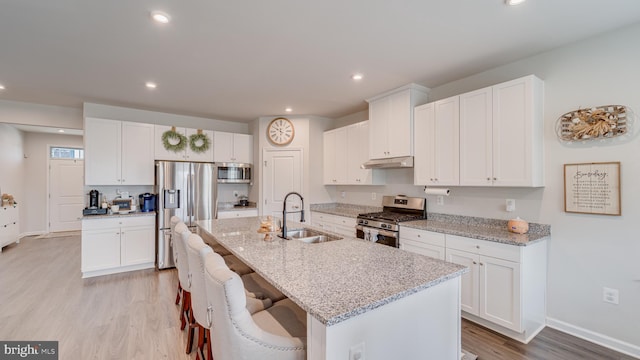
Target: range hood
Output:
[{"x": 390, "y": 163}]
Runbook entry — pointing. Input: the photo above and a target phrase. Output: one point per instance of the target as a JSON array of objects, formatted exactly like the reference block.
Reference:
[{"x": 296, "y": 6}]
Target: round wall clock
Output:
[{"x": 280, "y": 131}]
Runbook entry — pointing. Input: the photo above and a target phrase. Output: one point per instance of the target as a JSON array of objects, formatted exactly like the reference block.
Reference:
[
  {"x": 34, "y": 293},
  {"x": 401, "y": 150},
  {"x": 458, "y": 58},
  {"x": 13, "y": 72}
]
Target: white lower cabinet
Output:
[
  {"x": 113, "y": 245},
  {"x": 237, "y": 214},
  {"x": 345, "y": 226},
  {"x": 423, "y": 242},
  {"x": 9, "y": 232},
  {"x": 505, "y": 287}
]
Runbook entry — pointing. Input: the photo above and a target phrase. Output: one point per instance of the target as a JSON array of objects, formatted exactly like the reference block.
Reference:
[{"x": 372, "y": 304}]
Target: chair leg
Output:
[
  {"x": 207, "y": 335},
  {"x": 201, "y": 335},
  {"x": 190, "y": 331},
  {"x": 192, "y": 326},
  {"x": 178, "y": 293},
  {"x": 186, "y": 309}
]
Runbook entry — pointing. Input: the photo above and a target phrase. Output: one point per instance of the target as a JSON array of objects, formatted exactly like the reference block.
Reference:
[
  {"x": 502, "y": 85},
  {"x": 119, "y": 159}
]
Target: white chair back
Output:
[
  {"x": 234, "y": 333},
  {"x": 181, "y": 250},
  {"x": 195, "y": 249},
  {"x": 174, "y": 222}
]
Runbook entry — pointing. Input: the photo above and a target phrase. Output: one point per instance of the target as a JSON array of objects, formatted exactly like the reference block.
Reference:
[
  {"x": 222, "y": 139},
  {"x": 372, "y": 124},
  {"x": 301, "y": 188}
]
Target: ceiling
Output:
[{"x": 238, "y": 60}]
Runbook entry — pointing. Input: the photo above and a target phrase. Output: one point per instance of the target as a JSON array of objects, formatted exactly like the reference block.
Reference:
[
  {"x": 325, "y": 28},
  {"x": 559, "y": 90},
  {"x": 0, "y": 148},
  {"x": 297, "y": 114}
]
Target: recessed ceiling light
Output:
[
  {"x": 356, "y": 76},
  {"x": 60, "y": 130},
  {"x": 513, "y": 2},
  {"x": 1, "y": 87},
  {"x": 161, "y": 17},
  {"x": 288, "y": 109},
  {"x": 151, "y": 85}
]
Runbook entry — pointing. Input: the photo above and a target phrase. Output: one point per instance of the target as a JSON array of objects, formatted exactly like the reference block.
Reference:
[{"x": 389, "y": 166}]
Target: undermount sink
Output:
[{"x": 310, "y": 236}]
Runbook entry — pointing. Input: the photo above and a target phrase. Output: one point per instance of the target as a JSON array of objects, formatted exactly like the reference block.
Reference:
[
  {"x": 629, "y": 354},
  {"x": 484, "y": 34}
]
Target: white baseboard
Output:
[
  {"x": 31, "y": 233},
  {"x": 596, "y": 338}
]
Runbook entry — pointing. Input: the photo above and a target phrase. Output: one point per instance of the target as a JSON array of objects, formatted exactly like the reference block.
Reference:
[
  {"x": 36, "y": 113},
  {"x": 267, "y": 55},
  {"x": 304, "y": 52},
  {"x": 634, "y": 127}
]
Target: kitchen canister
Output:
[{"x": 518, "y": 226}]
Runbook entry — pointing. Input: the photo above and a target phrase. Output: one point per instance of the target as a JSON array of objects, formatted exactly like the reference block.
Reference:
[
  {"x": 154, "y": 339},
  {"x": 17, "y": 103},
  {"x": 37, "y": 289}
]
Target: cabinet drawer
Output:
[
  {"x": 422, "y": 236},
  {"x": 237, "y": 214},
  {"x": 422, "y": 249},
  {"x": 106, "y": 223},
  {"x": 482, "y": 247}
]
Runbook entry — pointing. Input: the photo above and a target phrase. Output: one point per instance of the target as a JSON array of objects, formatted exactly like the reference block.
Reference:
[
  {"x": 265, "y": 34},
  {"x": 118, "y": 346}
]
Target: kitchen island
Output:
[{"x": 359, "y": 297}]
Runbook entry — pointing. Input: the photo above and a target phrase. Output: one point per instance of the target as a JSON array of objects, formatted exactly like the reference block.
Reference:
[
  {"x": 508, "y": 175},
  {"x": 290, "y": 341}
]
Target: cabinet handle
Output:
[
  {"x": 418, "y": 235},
  {"x": 481, "y": 264},
  {"x": 474, "y": 263},
  {"x": 477, "y": 246},
  {"x": 494, "y": 179},
  {"x": 436, "y": 179},
  {"x": 122, "y": 180},
  {"x": 488, "y": 179}
]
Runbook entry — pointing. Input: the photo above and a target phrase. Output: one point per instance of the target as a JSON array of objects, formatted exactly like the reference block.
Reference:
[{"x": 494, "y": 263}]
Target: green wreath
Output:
[
  {"x": 199, "y": 138},
  {"x": 170, "y": 135}
]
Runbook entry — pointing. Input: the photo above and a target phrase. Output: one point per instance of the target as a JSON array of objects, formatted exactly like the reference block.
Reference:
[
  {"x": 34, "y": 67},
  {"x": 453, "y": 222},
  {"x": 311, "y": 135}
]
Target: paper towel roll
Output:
[{"x": 432, "y": 191}]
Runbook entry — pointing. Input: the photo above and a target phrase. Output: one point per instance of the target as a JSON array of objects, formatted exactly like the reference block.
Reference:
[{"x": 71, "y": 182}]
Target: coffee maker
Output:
[
  {"x": 93, "y": 199},
  {"x": 94, "y": 204}
]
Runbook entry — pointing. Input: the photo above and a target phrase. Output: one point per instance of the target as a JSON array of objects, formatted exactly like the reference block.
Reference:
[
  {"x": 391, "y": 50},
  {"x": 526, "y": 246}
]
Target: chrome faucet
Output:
[{"x": 284, "y": 212}]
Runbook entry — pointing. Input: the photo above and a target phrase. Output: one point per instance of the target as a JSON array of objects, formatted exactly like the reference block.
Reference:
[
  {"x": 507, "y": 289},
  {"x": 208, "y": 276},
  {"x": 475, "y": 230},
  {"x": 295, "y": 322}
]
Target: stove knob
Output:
[
  {"x": 366, "y": 222},
  {"x": 383, "y": 225}
]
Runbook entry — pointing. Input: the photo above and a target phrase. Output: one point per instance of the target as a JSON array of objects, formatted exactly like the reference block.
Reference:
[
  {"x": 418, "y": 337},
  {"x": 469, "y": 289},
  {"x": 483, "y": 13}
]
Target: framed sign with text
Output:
[{"x": 592, "y": 188}]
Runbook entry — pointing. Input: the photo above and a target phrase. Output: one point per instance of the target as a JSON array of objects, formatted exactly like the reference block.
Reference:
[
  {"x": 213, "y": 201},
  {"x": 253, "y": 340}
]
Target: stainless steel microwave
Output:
[{"x": 234, "y": 173}]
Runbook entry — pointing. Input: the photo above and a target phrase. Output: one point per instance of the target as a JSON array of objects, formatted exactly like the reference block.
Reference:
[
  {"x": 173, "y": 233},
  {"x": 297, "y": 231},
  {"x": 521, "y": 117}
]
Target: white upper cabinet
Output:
[
  {"x": 118, "y": 152},
  {"x": 230, "y": 147},
  {"x": 335, "y": 156},
  {"x": 345, "y": 150},
  {"x": 501, "y": 135},
  {"x": 436, "y": 142},
  {"x": 137, "y": 154},
  {"x": 358, "y": 153},
  {"x": 391, "y": 121},
  {"x": 161, "y": 153}
]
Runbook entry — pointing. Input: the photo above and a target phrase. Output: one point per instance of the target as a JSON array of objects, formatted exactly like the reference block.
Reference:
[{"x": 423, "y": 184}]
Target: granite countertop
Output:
[
  {"x": 341, "y": 209},
  {"x": 131, "y": 214},
  {"x": 479, "y": 228},
  {"x": 332, "y": 281},
  {"x": 473, "y": 227}
]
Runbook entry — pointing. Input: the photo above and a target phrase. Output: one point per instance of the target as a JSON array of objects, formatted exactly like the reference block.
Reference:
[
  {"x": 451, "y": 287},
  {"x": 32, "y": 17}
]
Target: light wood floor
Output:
[{"x": 132, "y": 315}]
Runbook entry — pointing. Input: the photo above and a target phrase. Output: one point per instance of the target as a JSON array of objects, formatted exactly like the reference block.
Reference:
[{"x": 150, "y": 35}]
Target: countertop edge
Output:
[{"x": 113, "y": 216}]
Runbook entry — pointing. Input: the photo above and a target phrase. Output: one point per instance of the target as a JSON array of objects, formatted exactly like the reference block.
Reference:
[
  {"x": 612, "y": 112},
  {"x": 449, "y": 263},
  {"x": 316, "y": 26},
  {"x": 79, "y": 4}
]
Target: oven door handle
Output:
[{"x": 388, "y": 233}]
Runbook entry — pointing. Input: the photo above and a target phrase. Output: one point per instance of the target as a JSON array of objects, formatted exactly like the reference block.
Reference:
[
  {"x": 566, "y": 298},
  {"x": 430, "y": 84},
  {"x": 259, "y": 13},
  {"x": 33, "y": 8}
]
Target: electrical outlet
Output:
[
  {"x": 610, "y": 295},
  {"x": 440, "y": 200},
  {"x": 511, "y": 205},
  {"x": 357, "y": 352},
  {"x": 373, "y": 196},
  {"x": 235, "y": 193},
  {"x": 342, "y": 194}
]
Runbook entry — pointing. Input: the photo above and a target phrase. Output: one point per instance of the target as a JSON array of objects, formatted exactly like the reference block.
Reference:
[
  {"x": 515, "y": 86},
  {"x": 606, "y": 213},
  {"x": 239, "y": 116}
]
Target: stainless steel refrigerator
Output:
[{"x": 188, "y": 191}]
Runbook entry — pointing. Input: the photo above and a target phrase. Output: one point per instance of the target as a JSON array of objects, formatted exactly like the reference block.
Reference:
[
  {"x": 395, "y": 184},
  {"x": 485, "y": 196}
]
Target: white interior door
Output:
[
  {"x": 282, "y": 173},
  {"x": 66, "y": 197}
]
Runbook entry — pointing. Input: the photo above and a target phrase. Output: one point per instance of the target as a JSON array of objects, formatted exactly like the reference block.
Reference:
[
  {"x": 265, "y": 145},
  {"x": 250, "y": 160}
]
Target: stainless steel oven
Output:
[
  {"x": 383, "y": 227},
  {"x": 380, "y": 236}
]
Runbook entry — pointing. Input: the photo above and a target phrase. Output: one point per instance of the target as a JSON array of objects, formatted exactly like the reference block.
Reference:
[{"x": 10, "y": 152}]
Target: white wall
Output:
[
  {"x": 12, "y": 165},
  {"x": 586, "y": 252},
  {"x": 36, "y": 151},
  {"x": 308, "y": 137},
  {"x": 154, "y": 117},
  {"x": 14, "y": 112}
]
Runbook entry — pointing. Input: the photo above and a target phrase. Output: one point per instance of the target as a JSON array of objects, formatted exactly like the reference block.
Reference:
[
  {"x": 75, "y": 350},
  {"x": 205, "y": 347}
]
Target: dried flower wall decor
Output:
[{"x": 591, "y": 124}]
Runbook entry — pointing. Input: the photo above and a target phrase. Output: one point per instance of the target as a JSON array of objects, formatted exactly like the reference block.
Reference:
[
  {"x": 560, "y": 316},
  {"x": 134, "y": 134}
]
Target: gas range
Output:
[{"x": 383, "y": 226}]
